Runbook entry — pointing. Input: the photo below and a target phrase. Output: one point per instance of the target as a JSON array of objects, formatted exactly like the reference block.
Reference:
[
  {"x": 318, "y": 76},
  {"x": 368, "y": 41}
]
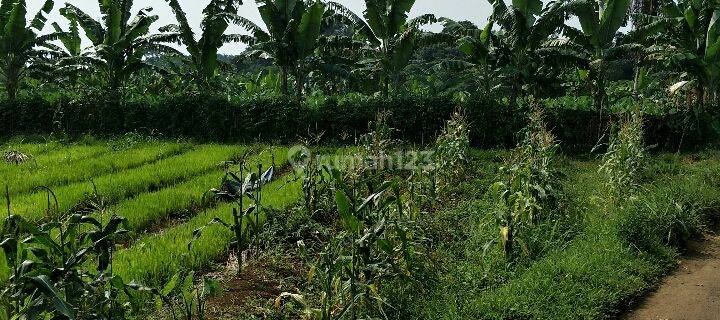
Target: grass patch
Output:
[{"x": 611, "y": 253}]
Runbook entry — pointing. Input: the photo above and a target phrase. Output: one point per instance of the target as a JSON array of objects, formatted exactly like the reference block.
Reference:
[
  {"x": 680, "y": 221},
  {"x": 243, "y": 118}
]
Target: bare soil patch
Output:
[{"x": 692, "y": 292}]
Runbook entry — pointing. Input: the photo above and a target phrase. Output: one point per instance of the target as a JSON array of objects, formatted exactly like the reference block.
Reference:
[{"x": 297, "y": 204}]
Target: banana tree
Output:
[
  {"x": 595, "y": 45},
  {"x": 18, "y": 41},
  {"x": 526, "y": 28},
  {"x": 204, "y": 51},
  {"x": 293, "y": 29},
  {"x": 67, "y": 56},
  {"x": 120, "y": 44},
  {"x": 479, "y": 60},
  {"x": 686, "y": 37},
  {"x": 390, "y": 36}
]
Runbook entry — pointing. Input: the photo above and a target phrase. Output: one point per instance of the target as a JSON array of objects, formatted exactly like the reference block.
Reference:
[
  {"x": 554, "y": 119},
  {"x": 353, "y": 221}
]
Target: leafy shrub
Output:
[
  {"x": 416, "y": 118},
  {"x": 659, "y": 221}
]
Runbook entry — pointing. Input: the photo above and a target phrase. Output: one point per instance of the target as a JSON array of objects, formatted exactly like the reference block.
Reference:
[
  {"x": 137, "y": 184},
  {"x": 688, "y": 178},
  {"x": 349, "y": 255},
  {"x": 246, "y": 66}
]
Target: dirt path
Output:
[{"x": 692, "y": 293}]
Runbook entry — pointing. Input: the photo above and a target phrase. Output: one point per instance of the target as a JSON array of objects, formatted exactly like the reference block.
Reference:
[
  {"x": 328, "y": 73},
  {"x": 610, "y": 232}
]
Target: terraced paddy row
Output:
[{"x": 160, "y": 188}]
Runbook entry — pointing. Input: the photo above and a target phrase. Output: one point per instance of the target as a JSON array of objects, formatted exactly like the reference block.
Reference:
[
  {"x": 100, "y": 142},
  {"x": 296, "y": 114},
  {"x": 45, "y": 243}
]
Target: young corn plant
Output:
[
  {"x": 529, "y": 184},
  {"x": 187, "y": 297},
  {"x": 246, "y": 221},
  {"x": 625, "y": 157},
  {"x": 316, "y": 185},
  {"x": 63, "y": 268},
  {"x": 376, "y": 146},
  {"x": 422, "y": 188}
]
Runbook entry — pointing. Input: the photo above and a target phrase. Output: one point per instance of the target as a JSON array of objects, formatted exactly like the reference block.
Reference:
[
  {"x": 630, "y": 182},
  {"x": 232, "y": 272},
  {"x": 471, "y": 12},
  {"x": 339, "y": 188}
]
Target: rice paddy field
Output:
[
  {"x": 159, "y": 187},
  {"x": 595, "y": 259}
]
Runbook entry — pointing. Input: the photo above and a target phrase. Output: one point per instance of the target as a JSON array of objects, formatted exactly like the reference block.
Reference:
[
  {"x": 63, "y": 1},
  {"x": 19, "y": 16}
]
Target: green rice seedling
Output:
[
  {"x": 155, "y": 258},
  {"x": 86, "y": 169},
  {"x": 34, "y": 149},
  {"x": 626, "y": 156},
  {"x": 50, "y": 159},
  {"x": 117, "y": 186},
  {"x": 144, "y": 210}
]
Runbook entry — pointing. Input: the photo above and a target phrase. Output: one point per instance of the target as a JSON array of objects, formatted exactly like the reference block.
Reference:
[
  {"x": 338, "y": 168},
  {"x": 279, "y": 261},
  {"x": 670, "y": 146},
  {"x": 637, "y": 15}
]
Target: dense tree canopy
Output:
[{"x": 527, "y": 48}]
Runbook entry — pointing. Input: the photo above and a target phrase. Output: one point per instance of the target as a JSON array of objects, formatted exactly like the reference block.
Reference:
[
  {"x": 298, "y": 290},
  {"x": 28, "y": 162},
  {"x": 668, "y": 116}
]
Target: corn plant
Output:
[
  {"x": 63, "y": 268},
  {"x": 376, "y": 145},
  {"x": 190, "y": 299},
  {"x": 625, "y": 156},
  {"x": 451, "y": 150},
  {"x": 316, "y": 184},
  {"x": 528, "y": 185},
  {"x": 422, "y": 186},
  {"x": 246, "y": 221},
  {"x": 373, "y": 245}
]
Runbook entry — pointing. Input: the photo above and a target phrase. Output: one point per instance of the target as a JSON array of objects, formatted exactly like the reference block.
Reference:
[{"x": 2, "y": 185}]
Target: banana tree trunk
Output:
[
  {"x": 386, "y": 85},
  {"x": 11, "y": 86},
  {"x": 599, "y": 98},
  {"x": 12, "y": 82},
  {"x": 114, "y": 89},
  {"x": 299, "y": 85},
  {"x": 284, "y": 89}
]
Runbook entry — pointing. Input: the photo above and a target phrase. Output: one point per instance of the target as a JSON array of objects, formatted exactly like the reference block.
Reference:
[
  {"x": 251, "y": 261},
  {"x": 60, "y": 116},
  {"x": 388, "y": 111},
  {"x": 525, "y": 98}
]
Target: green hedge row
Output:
[{"x": 417, "y": 118}]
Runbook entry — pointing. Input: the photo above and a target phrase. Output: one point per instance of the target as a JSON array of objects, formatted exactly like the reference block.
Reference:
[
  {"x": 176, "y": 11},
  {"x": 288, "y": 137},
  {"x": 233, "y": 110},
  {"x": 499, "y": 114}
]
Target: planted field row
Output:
[
  {"x": 49, "y": 159},
  {"x": 171, "y": 184},
  {"x": 34, "y": 149},
  {"x": 155, "y": 258},
  {"x": 117, "y": 186},
  {"x": 145, "y": 210},
  {"x": 94, "y": 165}
]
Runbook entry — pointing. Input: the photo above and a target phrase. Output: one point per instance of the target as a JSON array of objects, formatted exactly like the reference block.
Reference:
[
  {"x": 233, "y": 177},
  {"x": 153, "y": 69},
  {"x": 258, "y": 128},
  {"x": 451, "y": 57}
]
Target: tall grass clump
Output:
[
  {"x": 529, "y": 187},
  {"x": 625, "y": 157}
]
